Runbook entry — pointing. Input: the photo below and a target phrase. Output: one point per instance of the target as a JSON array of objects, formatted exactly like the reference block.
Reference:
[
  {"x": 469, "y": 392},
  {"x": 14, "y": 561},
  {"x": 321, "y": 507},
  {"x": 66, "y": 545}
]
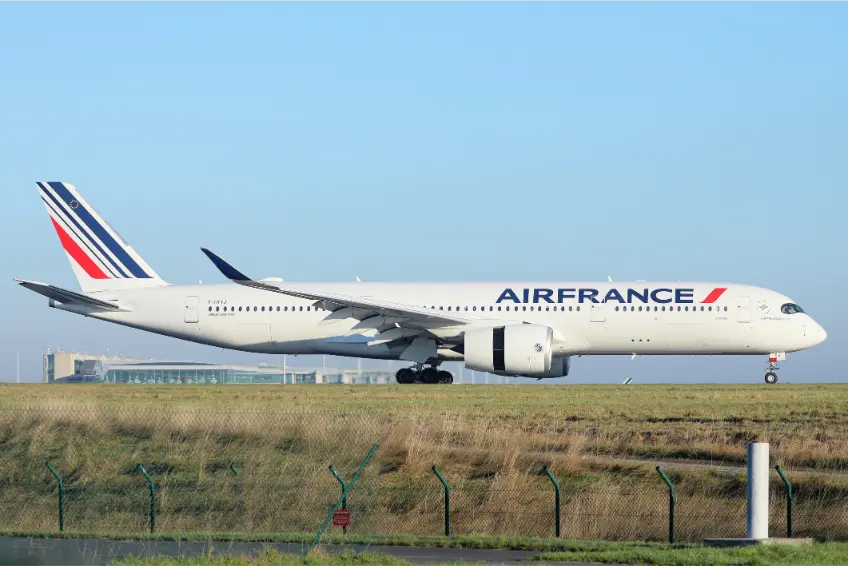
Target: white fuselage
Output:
[{"x": 587, "y": 318}]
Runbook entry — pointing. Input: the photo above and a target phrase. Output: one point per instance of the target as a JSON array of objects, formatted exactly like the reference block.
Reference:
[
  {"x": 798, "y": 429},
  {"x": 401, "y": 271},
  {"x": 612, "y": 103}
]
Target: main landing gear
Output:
[
  {"x": 419, "y": 374},
  {"x": 771, "y": 370}
]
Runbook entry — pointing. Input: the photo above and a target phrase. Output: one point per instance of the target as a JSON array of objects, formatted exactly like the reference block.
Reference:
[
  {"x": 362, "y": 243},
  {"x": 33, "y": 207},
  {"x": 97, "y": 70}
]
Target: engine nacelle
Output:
[
  {"x": 559, "y": 368},
  {"x": 515, "y": 349}
]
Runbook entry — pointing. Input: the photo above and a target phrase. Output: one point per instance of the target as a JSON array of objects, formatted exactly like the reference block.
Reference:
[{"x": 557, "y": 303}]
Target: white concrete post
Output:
[{"x": 758, "y": 490}]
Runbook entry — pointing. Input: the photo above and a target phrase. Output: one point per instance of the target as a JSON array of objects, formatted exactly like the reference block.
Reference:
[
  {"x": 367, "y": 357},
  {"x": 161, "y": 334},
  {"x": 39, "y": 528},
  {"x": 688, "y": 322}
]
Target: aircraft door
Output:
[
  {"x": 190, "y": 312},
  {"x": 597, "y": 313},
  {"x": 743, "y": 309}
]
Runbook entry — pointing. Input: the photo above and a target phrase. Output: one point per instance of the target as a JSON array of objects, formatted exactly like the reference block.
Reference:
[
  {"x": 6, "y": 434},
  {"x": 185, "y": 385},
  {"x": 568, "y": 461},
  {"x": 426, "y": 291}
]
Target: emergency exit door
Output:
[{"x": 191, "y": 309}]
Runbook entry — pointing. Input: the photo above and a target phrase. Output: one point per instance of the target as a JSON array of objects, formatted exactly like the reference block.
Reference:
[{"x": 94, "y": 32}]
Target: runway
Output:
[{"x": 23, "y": 551}]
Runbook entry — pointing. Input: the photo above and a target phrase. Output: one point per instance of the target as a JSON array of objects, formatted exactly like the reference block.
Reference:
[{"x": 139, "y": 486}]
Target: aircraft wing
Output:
[
  {"x": 64, "y": 296},
  {"x": 391, "y": 321}
]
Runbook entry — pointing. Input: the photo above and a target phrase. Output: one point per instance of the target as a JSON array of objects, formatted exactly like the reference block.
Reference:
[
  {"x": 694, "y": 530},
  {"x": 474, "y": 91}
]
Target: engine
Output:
[
  {"x": 559, "y": 368},
  {"x": 515, "y": 349}
]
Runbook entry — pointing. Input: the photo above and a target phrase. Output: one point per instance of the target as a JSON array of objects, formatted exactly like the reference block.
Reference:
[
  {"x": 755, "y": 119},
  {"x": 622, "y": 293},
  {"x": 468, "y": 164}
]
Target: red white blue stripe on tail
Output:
[{"x": 95, "y": 249}]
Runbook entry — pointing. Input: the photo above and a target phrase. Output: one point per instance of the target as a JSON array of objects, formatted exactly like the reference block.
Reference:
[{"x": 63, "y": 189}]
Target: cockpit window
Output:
[{"x": 791, "y": 308}]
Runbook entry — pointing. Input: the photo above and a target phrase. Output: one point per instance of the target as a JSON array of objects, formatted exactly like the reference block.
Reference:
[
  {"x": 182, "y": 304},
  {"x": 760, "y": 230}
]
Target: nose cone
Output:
[{"x": 816, "y": 333}]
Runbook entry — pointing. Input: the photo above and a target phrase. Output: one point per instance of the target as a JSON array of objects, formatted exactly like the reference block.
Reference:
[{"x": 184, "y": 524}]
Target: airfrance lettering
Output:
[{"x": 588, "y": 295}]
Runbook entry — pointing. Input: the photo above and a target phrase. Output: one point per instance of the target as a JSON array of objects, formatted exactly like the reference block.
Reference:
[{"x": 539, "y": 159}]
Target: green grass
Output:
[
  {"x": 491, "y": 443},
  {"x": 820, "y": 554}
]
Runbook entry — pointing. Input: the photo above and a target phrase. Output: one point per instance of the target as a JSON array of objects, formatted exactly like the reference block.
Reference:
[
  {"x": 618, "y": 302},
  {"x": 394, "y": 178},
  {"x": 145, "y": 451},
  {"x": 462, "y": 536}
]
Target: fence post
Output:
[
  {"x": 447, "y": 501},
  {"x": 152, "y": 498},
  {"x": 339, "y": 502},
  {"x": 789, "y": 497},
  {"x": 671, "y": 501},
  {"x": 61, "y": 496},
  {"x": 344, "y": 494},
  {"x": 557, "y": 505}
]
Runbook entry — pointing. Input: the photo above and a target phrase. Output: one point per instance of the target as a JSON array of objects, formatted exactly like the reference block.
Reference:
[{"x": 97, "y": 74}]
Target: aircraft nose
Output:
[{"x": 816, "y": 333}]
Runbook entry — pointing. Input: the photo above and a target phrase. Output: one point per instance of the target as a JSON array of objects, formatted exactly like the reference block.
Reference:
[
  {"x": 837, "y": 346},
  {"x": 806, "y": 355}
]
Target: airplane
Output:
[{"x": 528, "y": 330}]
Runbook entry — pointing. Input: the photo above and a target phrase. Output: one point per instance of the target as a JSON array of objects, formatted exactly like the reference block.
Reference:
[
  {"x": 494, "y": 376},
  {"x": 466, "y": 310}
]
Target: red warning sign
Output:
[{"x": 341, "y": 518}]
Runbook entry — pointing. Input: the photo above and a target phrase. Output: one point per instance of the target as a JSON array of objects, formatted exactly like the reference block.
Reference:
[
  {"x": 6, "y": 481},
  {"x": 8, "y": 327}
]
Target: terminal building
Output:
[{"x": 76, "y": 367}]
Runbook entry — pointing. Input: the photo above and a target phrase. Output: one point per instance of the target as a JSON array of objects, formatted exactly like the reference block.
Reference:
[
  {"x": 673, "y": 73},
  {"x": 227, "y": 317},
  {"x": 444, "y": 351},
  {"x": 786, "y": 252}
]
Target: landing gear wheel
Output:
[
  {"x": 405, "y": 376},
  {"x": 771, "y": 378},
  {"x": 445, "y": 377},
  {"x": 429, "y": 375}
]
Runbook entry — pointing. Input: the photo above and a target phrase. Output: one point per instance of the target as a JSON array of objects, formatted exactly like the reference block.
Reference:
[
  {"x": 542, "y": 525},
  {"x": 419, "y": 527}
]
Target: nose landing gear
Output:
[
  {"x": 419, "y": 374},
  {"x": 771, "y": 369}
]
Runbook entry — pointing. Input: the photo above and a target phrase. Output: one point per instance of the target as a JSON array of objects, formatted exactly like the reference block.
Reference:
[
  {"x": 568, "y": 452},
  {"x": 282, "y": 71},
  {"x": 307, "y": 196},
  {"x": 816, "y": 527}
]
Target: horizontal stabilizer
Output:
[{"x": 66, "y": 297}]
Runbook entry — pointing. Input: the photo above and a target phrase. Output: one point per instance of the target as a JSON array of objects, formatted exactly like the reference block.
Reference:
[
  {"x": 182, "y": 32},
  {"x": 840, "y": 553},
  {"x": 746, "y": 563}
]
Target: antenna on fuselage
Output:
[{"x": 609, "y": 278}]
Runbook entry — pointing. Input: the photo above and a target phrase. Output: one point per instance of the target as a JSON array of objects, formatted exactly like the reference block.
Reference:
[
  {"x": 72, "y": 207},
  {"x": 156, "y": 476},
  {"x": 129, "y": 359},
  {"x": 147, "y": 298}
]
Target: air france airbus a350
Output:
[{"x": 516, "y": 329}]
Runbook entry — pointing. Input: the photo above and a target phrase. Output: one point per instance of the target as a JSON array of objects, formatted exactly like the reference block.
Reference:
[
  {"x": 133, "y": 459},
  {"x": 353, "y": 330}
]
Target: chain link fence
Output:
[{"x": 267, "y": 472}]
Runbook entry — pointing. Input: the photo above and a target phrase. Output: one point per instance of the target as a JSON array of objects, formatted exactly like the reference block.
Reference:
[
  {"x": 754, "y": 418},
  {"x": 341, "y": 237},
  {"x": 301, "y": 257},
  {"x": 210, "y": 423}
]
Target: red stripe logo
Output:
[
  {"x": 78, "y": 254},
  {"x": 714, "y": 295}
]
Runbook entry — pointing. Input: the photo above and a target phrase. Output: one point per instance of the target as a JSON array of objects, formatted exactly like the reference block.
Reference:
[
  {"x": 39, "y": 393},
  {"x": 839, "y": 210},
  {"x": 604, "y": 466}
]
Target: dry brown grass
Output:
[{"x": 491, "y": 443}]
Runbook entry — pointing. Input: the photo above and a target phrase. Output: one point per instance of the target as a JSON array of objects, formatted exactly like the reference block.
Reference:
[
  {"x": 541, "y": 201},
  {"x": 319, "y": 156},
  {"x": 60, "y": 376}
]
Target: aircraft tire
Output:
[
  {"x": 771, "y": 378},
  {"x": 405, "y": 376},
  {"x": 429, "y": 376},
  {"x": 445, "y": 377}
]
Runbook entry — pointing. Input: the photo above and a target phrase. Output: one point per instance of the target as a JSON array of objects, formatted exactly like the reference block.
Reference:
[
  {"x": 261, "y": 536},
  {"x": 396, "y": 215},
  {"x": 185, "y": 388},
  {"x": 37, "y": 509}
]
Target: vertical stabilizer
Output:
[{"x": 100, "y": 258}]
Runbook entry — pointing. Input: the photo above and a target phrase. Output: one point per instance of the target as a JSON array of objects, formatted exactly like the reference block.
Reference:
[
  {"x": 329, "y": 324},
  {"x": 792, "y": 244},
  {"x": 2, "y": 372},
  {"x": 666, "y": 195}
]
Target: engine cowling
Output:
[
  {"x": 559, "y": 368},
  {"x": 515, "y": 349}
]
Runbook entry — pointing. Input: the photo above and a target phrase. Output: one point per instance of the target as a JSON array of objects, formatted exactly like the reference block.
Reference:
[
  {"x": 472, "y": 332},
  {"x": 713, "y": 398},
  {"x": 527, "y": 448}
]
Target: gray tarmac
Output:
[{"x": 21, "y": 551}]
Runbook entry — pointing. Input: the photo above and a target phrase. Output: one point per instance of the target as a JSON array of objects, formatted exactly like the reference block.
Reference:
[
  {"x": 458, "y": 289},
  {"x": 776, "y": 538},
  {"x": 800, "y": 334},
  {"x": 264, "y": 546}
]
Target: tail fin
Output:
[{"x": 101, "y": 259}]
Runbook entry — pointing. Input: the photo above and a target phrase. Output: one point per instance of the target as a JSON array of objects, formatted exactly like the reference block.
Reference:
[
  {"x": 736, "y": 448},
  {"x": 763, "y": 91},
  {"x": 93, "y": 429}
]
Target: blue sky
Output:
[{"x": 433, "y": 142}]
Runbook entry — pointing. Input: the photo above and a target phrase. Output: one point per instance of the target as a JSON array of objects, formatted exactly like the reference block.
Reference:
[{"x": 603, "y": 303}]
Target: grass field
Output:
[{"x": 491, "y": 443}]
